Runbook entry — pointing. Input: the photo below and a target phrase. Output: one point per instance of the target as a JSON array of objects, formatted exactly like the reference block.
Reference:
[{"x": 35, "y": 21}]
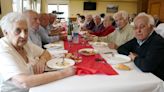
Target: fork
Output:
[
  {"x": 62, "y": 61},
  {"x": 112, "y": 53}
]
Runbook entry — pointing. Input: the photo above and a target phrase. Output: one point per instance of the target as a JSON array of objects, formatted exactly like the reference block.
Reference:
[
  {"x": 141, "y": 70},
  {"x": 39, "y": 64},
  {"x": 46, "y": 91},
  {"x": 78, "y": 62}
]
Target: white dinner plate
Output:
[
  {"x": 99, "y": 43},
  {"x": 88, "y": 51},
  {"x": 52, "y": 45},
  {"x": 57, "y": 63},
  {"x": 118, "y": 58}
]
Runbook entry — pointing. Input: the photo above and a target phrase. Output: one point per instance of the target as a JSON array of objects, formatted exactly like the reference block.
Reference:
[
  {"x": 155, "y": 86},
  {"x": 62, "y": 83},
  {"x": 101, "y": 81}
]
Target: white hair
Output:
[
  {"x": 9, "y": 19},
  {"x": 96, "y": 16},
  {"x": 150, "y": 18},
  {"x": 122, "y": 13}
]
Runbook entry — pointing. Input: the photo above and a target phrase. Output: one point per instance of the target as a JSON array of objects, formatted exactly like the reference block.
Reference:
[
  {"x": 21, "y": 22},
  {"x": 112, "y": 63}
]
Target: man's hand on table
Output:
[
  {"x": 112, "y": 45},
  {"x": 132, "y": 56}
]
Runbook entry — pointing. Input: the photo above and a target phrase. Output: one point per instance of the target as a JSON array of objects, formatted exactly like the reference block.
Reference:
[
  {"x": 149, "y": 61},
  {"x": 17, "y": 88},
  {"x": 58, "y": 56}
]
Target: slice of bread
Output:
[{"x": 123, "y": 67}]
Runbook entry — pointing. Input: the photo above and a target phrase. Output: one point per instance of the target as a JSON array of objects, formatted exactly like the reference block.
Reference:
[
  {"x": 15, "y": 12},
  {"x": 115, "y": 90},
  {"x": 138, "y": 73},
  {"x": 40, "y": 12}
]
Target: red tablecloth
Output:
[{"x": 89, "y": 64}]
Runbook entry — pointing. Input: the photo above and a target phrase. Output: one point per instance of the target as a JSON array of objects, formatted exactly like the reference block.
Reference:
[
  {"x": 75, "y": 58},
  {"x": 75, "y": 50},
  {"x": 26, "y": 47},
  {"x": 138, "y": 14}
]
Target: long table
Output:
[{"x": 126, "y": 81}]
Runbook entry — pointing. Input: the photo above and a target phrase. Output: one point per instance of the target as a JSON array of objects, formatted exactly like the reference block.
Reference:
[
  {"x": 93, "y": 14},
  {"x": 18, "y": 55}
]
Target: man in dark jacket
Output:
[{"x": 147, "y": 48}]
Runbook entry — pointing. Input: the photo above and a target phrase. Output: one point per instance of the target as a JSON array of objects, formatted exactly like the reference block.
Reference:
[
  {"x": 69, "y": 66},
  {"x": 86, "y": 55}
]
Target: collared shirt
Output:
[
  {"x": 35, "y": 37},
  {"x": 141, "y": 42}
]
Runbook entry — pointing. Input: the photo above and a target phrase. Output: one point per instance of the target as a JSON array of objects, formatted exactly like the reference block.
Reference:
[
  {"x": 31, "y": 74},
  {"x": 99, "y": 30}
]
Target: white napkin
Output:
[{"x": 58, "y": 53}]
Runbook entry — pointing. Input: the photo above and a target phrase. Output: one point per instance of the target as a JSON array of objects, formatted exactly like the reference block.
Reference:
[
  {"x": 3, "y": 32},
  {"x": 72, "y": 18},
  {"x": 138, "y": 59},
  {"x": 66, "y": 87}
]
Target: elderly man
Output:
[
  {"x": 89, "y": 23},
  {"x": 147, "y": 48},
  {"x": 44, "y": 32},
  {"x": 52, "y": 19},
  {"x": 33, "y": 23},
  {"x": 123, "y": 32},
  {"x": 98, "y": 24}
]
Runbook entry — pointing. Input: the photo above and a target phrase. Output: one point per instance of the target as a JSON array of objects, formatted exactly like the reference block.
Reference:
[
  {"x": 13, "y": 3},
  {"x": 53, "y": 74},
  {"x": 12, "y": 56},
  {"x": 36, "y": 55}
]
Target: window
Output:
[
  {"x": 15, "y": 5},
  {"x": 22, "y": 5},
  {"x": 59, "y": 8}
]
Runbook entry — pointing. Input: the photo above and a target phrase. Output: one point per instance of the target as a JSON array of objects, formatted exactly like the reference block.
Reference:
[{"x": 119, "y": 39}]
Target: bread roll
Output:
[{"x": 123, "y": 67}]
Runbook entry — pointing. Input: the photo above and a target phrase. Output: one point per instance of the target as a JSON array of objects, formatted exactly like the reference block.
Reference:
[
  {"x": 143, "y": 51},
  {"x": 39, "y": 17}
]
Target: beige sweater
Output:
[{"x": 119, "y": 37}]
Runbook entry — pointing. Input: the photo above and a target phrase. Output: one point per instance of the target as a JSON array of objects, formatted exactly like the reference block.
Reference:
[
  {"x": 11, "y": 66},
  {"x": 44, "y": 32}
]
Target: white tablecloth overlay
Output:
[{"x": 126, "y": 81}]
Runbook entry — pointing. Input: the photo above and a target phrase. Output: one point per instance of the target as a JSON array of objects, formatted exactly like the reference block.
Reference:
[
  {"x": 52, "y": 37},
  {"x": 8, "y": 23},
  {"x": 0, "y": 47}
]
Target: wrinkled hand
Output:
[
  {"x": 39, "y": 67},
  {"x": 112, "y": 45},
  {"x": 132, "y": 56}
]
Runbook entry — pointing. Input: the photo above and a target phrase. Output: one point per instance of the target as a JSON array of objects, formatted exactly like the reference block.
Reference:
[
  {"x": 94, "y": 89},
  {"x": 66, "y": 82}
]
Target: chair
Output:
[{"x": 160, "y": 29}]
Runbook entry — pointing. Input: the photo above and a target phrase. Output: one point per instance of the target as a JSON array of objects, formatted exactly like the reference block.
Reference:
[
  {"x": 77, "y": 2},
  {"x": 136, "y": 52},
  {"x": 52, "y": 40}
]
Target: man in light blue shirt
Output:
[
  {"x": 34, "y": 37},
  {"x": 33, "y": 22}
]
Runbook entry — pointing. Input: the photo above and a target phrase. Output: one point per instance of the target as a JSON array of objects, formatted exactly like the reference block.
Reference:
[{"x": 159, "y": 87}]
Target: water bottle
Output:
[
  {"x": 69, "y": 31},
  {"x": 75, "y": 34}
]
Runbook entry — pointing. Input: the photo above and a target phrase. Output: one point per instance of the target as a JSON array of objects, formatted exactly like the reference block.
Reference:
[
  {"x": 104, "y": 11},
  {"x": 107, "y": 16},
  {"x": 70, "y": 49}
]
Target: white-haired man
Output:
[
  {"x": 147, "y": 48},
  {"x": 33, "y": 23},
  {"x": 123, "y": 32}
]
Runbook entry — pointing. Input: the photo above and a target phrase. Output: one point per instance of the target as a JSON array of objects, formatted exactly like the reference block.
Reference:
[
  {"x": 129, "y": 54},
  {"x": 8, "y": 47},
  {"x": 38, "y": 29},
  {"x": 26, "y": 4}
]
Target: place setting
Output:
[{"x": 60, "y": 63}]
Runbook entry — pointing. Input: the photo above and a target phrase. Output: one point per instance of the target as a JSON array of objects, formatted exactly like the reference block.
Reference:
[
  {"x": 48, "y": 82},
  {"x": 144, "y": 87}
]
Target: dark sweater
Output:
[{"x": 150, "y": 54}]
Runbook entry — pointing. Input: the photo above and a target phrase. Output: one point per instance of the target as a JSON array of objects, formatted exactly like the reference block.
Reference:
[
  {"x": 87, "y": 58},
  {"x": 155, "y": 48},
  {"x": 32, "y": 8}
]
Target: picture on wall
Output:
[{"x": 112, "y": 8}]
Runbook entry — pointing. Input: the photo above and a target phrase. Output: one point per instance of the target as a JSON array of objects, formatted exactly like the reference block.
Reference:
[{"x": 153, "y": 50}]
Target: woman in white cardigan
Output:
[{"x": 22, "y": 62}]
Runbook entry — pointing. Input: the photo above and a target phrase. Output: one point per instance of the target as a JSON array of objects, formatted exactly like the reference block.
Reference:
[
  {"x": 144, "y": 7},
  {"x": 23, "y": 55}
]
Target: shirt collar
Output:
[{"x": 141, "y": 42}]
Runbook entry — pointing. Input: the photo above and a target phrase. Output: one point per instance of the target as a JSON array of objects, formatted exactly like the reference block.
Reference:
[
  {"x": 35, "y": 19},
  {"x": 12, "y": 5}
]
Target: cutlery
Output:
[
  {"x": 62, "y": 61},
  {"x": 108, "y": 53}
]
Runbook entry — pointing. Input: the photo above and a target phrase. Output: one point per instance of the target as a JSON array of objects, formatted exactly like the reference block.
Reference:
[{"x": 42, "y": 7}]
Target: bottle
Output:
[
  {"x": 69, "y": 31},
  {"x": 75, "y": 34}
]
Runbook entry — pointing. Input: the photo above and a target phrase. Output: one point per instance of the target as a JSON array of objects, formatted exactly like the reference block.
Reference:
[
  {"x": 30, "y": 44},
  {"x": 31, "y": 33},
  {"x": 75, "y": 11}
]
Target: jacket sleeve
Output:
[
  {"x": 153, "y": 57},
  {"x": 127, "y": 47}
]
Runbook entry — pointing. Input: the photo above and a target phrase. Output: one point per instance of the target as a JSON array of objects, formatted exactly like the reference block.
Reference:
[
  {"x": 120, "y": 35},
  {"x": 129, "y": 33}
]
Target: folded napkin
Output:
[{"x": 93, "y": 67}]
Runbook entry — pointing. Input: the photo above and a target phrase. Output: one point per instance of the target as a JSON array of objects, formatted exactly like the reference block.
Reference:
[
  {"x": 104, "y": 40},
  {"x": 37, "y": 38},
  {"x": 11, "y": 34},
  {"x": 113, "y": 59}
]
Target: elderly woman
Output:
[{"x": 23, "y": 63}]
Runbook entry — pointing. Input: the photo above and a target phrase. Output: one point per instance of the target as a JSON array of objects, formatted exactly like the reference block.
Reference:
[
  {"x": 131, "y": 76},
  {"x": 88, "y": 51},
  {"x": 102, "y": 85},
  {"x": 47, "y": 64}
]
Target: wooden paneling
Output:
[
  {"x": 162, "y": 11},
  {"x": 156, "y": 7},
  {"x": 142, "y": 6}
]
